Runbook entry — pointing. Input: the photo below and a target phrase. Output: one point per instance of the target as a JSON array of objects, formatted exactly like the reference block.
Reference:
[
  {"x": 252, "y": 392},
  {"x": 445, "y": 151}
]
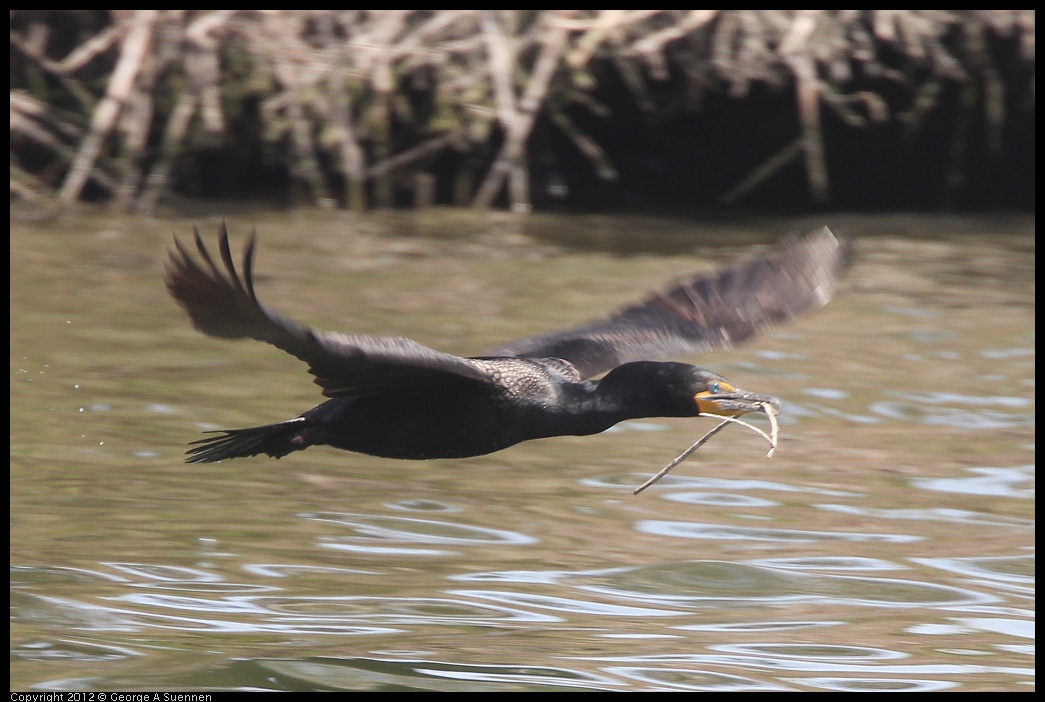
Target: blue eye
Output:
[{"x": 715, "y": 388}]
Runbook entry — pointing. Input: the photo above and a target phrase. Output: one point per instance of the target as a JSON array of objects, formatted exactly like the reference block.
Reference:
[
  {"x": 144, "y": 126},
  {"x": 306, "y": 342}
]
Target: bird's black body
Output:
[{"x": 396, "y": 398}]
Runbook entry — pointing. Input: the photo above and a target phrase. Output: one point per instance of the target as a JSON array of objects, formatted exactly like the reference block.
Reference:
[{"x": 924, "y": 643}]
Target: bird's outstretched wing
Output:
[
  {"x": 222, "y": 303},
  {"x": 713, "y": 311}
]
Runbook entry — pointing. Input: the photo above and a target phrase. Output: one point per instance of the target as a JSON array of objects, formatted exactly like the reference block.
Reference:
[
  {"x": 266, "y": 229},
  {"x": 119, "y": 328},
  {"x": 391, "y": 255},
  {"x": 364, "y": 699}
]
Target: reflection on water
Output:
[
  {"x": 1017, "y": 481},
  {"x": 888, "y": 545},
  {"x": 375, "y": 531},
  {"x": 696, "y": 530}
]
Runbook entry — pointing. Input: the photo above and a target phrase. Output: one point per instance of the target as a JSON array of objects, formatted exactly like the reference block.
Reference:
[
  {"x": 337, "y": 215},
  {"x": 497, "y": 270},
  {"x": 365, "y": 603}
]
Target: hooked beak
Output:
[{"x": 734, "y": 402}]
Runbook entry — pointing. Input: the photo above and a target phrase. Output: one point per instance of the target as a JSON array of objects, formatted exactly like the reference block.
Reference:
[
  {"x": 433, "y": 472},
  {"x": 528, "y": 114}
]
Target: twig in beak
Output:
[
  {"x": 771, "y": 412},
  {"x": 771, "y": 438}
]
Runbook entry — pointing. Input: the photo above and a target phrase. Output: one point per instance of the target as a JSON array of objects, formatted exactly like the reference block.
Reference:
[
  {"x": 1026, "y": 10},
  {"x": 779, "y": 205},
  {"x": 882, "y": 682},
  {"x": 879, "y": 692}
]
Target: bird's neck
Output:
[{"x": 593, "y": 406}]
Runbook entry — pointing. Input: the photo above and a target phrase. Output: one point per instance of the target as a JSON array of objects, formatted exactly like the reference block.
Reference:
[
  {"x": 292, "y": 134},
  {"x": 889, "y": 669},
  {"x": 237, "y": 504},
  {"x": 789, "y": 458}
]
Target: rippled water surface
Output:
[{"x": 887, "y": 545}]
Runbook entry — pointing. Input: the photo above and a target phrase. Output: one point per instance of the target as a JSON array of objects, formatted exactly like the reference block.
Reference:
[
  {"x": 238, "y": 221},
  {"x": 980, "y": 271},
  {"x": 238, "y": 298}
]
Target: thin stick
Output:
[
  {"x": 742, "y": 423},
  {"x": 681, "y": 457},
  {"x": 771, "y": 412},
  {"x": 133, "y": 54},
  {"x": 771, "y": 438}
]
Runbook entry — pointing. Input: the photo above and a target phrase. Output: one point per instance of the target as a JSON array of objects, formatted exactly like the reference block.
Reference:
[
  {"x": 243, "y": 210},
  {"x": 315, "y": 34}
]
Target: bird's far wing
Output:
[
  {"x": 222, "y": 303},
  {"x": 712, "y": 311}
]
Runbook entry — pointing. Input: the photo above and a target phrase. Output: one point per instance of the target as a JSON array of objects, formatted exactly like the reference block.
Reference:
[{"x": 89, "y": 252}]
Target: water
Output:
[{"x": 887, "y": 545}]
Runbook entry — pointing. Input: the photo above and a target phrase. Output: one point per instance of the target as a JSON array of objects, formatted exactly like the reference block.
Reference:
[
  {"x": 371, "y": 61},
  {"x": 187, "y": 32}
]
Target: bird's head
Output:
[
  {"x": 683, "y": 390},
  {"x": 716, "y": 395}
]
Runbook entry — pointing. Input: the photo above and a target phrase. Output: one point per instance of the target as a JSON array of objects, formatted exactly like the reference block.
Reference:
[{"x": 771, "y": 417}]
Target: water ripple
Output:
[
  {"x": 720, "y": 532},
  {"x": 1000, "y": 481},
  {"x": 380, "y": 534}
]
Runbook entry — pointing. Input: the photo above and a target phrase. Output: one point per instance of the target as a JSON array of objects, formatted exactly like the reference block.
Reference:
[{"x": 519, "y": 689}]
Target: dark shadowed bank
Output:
[{"x": 584, "y": 109}]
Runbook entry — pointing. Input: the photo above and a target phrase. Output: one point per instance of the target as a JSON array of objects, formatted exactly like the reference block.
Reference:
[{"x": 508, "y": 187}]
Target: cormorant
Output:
[{"x": 394, "y": 397}]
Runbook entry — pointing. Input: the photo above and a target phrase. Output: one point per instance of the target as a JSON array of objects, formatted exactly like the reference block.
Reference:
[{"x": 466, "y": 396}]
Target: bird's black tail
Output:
[{"x": 276, "y": 440}]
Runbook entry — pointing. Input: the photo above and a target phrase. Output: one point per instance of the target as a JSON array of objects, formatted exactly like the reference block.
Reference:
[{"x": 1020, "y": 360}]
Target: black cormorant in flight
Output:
[{"x": 394, "y": 397}]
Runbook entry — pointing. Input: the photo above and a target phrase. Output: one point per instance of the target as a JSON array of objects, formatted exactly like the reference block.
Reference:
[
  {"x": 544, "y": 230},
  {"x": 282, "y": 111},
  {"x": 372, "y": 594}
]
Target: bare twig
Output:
[
  {"x": 360, "y": 93},
  {"x": 511, "y": 158},
  {"x": 771, "y": 438},
  {"x": 764, "y": 171},
  {"x": 134, "y": 52}
]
